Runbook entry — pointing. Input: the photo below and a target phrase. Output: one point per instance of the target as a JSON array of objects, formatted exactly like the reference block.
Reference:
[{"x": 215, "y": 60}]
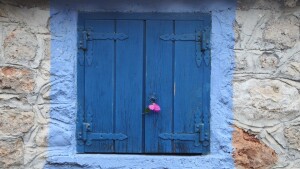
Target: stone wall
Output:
[
  {"x": 24, "y": 83},
  {"x": 267, "y": 81}
]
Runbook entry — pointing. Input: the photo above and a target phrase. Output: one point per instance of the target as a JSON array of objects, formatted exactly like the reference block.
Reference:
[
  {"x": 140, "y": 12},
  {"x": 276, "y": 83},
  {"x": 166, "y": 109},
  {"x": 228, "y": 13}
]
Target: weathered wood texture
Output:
[{"x": 129, "y": 63}]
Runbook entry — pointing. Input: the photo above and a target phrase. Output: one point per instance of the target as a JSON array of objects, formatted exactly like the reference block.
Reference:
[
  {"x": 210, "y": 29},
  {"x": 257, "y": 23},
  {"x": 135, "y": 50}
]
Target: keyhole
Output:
[{"x": 153, "y": 98}]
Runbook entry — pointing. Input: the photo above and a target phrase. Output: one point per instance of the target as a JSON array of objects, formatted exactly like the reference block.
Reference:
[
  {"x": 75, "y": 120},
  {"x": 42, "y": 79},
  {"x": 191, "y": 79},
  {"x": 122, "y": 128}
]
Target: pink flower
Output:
[{"x": 154, "y": 107}]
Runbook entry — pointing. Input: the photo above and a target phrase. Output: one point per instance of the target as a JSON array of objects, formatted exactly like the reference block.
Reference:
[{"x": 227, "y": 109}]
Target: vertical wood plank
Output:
[
  {"x": 80, "y": 90},
  {"x": 189, "y": 83},
  {"x": 129, "y": 86},
  {"x": 159, "y": 80},
  {"x": 99, "y": 89}
]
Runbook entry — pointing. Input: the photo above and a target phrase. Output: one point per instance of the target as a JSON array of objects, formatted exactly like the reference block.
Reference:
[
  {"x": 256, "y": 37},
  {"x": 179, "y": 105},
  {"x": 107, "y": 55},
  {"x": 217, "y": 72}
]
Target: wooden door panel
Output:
[
  {"x": 129, "y": 86},
  {"x": 159, "y": 81}
]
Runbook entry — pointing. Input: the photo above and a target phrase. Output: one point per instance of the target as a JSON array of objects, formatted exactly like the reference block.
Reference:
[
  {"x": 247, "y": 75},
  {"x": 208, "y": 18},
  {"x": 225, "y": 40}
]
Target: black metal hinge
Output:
[
  {"x": 205, "y": 46},
  {"x": 202, "y": 44},
  {"x": 84, "y": 37}
]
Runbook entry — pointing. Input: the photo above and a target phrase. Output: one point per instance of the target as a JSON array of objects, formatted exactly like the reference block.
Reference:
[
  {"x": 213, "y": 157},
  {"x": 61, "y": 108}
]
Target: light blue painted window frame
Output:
[{"x": 62, "y": 143}]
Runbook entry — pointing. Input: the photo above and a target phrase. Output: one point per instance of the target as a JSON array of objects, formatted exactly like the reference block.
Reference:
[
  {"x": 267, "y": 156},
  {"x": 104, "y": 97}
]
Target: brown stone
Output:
[
  {"x": 250, "y": 152},
  {"x": 15, "y": 123},
  {"x": 17, "y": 80},
  {"x": 20, "y": 46},
  {"x": 11, "y": 153}
]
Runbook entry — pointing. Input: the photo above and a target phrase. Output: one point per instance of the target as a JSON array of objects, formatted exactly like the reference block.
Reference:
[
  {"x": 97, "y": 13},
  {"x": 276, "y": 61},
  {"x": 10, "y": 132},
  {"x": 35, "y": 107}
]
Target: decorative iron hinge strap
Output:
[
  {"x": 82, "y": 44},
  {"x": 180, "y": 37},
  {"x": 87, "y": 35},
  {"x": 107, "y": 136},
  {"x": 198, "y": 49},
  {"x": 109, "y": 36},
  {"x": 182, "y": 137},
  {"x": 86, "y": 127},
  {"x": 198, "y": 37},
  {"x": 79, "y": 126},
  {"x": 103, "y": 136},
  {"x": 177, "y": 136},
  {"x": 205, "y": 46}
]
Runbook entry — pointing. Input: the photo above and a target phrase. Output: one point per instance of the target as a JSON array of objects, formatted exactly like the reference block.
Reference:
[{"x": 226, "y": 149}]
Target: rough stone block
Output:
[
  {"x": 15, "y": 101},
  {"x": 16, "y": 80},
  {"x": 250, "y": 152},
  {"x": 249, "y": 29},
  {"x": 266, "y": 102},
  {"x": 291, "y": 70},
  {"x": 28, "y": 3},
  {"x": 11, "y": 153},
  {"x": 35, "y": 157},
  {"x": 15, "y": 123},
  {"x": 266, "y": 30},
  {"x": 290, "y": 3},
  {"x": 292, "y": 134},
  {"x": 20, "y": 46},
  {"x": 268, "y": 61},
  {"x": 258, "y": 4},
  {"x": 256, "y": 62},
  {"x": 283, "y": 32}
]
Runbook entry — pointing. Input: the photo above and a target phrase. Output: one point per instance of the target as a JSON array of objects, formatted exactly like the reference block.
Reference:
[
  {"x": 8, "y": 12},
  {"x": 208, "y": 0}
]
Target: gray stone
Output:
[
  {"x": 290, "y": 3},
  {"x": 257, "y": 62},
  {"x": 268, "y": 61},
  {"x": 283, "y": 31},
  {"x": 266, "y": 102},
  {"x": 292, "y": 70},
  {"x": 258, "y": 4},
  {"x": 44, "y": 4},
  {"x": 292, "y": 134},
  {"x": 249, "y": 29}
]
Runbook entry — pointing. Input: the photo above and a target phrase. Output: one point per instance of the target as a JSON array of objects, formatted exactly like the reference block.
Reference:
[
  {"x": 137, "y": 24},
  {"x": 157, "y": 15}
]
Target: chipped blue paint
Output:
[{"x": 62, "y": 145}]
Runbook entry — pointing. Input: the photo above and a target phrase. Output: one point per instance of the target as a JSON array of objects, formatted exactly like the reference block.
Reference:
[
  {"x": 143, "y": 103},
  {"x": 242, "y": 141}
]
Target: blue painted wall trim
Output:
[{"x": 62, "y": 144}]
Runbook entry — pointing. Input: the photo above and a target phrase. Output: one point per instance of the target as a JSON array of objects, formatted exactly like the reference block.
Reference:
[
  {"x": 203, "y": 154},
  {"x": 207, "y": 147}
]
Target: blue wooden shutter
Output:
[
  {"x": 122, "y": 62},
  {"x": 112, "y": 88},
  {"x": 178, "y": 72}
]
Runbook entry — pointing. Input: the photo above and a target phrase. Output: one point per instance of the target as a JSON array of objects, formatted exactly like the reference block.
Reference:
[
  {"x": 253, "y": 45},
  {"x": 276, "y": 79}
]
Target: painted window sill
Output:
[{"x": 139, "y": 161}]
